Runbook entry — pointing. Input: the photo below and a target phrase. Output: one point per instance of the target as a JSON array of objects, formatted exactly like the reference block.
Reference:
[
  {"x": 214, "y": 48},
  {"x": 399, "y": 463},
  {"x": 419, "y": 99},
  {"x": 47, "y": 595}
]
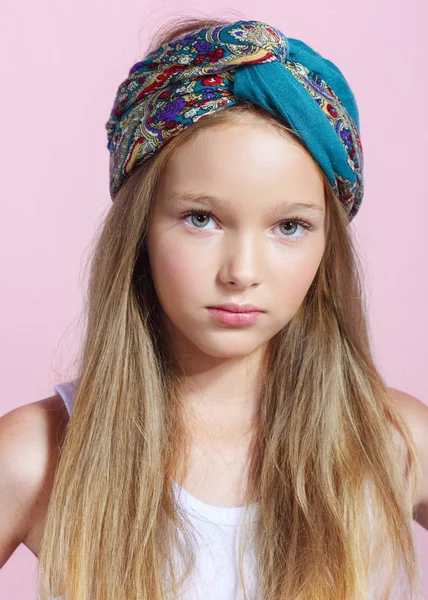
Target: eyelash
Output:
[{"x": 208, "y": 213}]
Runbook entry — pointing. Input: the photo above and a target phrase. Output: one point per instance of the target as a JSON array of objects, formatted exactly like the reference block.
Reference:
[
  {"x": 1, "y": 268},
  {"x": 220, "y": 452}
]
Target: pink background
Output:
[{"x": 61, "y": 65}]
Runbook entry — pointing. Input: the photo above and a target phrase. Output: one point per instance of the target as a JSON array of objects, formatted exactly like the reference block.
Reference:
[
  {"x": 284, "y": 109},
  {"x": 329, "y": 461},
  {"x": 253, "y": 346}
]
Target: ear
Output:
[{"x": 415, "y": 414}]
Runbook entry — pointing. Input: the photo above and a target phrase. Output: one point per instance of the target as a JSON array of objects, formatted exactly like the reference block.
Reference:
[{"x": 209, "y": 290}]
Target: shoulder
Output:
[
  {"x": 31, "y": 436},
  {"x": 415, "y": 414},
  {"x": 37, "y": 426}
]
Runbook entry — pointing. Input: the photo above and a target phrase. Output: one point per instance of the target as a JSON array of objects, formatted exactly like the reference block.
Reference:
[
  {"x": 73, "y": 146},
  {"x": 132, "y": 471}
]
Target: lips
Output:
[
  {"x": 237, "y": 308},
  {"x": 228, "y": 317}
]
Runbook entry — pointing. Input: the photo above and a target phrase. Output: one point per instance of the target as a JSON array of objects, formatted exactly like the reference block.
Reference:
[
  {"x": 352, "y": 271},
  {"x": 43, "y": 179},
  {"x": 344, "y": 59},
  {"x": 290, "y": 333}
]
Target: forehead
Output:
[{"x": 223, "y": 165}]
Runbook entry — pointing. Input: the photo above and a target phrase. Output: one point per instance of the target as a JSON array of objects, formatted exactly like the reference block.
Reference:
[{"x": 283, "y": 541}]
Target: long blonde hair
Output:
[{"x": 326, "y": 462}]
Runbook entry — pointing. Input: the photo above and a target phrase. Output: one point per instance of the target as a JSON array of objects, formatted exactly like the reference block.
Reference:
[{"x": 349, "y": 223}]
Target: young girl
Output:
[{"x": 228, "y": 434}]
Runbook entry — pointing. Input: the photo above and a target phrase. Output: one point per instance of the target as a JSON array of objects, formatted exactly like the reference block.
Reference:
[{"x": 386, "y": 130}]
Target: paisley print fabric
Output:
[{"x": 215, "y": 67}]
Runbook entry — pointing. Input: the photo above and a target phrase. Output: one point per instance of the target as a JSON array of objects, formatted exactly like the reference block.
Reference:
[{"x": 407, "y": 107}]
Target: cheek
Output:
[
  {"x": 177, "y": 271},
  {"x": 295, "y": 278}
]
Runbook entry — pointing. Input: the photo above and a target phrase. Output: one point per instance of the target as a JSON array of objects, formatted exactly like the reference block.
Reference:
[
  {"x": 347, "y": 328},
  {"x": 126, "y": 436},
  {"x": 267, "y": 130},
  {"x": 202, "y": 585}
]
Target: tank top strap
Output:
[{"x": 67, "y": 391}]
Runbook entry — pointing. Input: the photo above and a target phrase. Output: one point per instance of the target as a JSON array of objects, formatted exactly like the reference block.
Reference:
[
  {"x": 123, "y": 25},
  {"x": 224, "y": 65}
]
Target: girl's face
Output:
[{"x": 246, "y": 251}]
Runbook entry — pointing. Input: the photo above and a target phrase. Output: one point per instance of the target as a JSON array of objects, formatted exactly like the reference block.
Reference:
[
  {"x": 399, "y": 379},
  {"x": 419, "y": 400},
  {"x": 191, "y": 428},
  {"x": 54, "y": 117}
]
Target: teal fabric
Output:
[{"x": 271, "y": 86}]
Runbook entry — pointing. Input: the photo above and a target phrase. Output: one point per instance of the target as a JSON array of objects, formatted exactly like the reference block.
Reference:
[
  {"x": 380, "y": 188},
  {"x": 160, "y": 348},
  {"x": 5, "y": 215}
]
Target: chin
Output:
[{"x": 229, "y": 348}]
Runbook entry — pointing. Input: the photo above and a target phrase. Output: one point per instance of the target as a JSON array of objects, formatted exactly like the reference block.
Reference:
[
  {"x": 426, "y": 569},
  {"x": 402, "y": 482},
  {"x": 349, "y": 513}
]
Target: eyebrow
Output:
[{"x": 223, "y": 203}]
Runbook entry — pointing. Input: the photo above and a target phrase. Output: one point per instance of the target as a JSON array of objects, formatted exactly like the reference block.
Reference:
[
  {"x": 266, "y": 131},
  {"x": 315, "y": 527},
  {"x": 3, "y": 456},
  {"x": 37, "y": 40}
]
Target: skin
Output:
[{"x": 242, "y": 253}]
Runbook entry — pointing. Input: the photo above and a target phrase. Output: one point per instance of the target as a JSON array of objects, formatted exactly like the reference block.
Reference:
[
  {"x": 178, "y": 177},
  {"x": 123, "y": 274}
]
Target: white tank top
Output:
[{"x": 216, "y": 575}]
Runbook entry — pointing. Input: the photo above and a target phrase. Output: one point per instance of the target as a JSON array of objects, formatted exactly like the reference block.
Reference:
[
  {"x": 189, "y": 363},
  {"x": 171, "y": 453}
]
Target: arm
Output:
[
  {"x": 28, "y": 454},
  {"x": 415, "y": 413}
]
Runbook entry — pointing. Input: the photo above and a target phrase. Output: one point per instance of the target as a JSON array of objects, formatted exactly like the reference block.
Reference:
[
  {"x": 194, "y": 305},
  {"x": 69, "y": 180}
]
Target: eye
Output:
[
  {"x": 296, "y": 222},
  {"x": 194, "y": 213},
  {"x": 198, "y": 223}
]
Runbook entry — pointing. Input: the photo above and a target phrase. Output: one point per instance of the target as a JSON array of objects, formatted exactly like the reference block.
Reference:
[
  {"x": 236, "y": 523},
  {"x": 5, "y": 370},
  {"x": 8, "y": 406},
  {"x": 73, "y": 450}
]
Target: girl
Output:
[{"x": 229, "y": 434}]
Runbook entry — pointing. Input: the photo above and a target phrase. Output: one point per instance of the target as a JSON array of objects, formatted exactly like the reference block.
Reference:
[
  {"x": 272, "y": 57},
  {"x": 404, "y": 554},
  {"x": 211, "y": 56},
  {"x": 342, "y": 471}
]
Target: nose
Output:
[{"x": 242, "y": 262}]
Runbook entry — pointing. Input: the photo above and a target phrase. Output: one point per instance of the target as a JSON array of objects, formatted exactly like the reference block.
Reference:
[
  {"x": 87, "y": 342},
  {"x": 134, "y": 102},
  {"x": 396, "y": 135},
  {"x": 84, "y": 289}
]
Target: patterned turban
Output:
[{"x": 214, "y": 67}]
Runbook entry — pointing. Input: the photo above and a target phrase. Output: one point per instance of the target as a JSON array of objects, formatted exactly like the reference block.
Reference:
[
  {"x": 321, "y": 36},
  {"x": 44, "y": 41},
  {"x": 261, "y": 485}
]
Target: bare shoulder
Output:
[
  {"x": 415, "y": 414},
  {"x": 31, "y": 436}
]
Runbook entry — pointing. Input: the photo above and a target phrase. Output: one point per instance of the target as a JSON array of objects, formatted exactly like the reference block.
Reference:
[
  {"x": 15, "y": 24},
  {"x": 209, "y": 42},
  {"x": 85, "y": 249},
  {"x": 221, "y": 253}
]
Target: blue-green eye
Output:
[
  {"x": 195, "y": 214},
  {"x": 296, "y": 222}
]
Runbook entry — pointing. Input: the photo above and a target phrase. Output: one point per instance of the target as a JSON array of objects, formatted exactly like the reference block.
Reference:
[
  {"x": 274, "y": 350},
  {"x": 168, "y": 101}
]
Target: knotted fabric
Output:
[{"x": 214, "y": 67}]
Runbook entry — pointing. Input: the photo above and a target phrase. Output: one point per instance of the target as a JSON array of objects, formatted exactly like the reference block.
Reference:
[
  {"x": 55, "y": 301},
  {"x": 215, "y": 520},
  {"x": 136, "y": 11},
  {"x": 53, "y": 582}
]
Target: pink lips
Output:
[
  {"x": 228, "y": 317},
  {"x": 233, "y": 307}
]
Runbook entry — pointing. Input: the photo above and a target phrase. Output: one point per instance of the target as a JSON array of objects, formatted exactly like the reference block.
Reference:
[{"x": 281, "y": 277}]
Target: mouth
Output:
[
  {"x": 237, "y": 308},
  {"x": 228, "y": 317}
]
